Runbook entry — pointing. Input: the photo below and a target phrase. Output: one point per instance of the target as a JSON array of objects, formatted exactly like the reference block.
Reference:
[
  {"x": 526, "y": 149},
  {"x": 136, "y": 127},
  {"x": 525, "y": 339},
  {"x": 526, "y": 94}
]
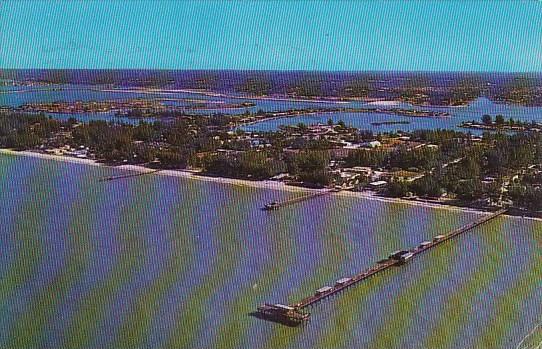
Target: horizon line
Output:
[{"x": 280, "y": 70}]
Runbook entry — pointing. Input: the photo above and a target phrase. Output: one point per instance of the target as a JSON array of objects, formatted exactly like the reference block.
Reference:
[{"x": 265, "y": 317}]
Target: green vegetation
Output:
[
  {"x": 308, "y": 87},
  {"x": 250, "y": 164},
  {"x": 358, "y": 87},
  {"x": 311, "y": 167},
  {"x": 22, "y": 131},
  {"x": 256, "y": 85},
  {"x": 523, "y": 89},
  {"x": 495, "y": 169},
  {"x": 502, "y": 161},
  {"x": 500, "y": 123}
]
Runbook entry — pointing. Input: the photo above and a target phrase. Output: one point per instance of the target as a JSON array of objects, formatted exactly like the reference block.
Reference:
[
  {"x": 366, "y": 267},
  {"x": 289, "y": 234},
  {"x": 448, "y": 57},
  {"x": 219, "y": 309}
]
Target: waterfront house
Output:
[{"x": 377, "y": 185}]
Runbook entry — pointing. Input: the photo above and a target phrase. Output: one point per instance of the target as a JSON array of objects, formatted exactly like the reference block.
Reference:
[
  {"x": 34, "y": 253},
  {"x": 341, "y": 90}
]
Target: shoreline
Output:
[
  {"x": 222, "y": 95},
  {"x": 265, "y": 184}
]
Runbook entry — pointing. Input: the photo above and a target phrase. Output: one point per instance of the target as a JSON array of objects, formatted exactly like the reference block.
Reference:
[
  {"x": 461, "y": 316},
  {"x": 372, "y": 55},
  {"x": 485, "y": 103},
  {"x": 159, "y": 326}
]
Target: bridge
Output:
[{"x": 294, "y": 315}]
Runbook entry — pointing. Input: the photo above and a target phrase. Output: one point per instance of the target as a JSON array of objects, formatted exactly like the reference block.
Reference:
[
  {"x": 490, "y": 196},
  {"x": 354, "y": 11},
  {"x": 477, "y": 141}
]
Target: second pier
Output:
[{"x": 275, "y": 205}]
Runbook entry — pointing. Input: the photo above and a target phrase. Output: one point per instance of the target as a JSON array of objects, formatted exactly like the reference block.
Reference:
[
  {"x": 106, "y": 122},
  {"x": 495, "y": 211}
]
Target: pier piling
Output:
[
  {"x": 275, "y": 205},
  {"x": 129, "y": 175},
  {"x": 294, "y": 313}
]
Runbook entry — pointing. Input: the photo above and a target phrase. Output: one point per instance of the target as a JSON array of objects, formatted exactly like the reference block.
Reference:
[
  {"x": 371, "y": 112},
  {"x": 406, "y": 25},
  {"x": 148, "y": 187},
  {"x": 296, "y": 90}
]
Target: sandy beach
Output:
[
  {"x": 172, "y": 173},
  {"x": 266, "y": 184}
]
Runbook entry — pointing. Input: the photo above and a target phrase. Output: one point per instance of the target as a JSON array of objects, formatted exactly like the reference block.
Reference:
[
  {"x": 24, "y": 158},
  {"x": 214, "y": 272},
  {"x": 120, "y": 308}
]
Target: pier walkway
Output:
[
  {"x": 275, "y": 205},
  {"x": 294, "y": 313},
  {"x": 129, "y": 175}
]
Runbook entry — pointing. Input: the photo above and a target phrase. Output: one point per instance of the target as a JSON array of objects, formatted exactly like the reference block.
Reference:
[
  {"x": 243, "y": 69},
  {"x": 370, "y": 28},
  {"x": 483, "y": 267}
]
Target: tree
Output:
[
  {"x": 366, "y": 157},
  {"x": 307, "y": 87},
  {"x": 486, "y": 119},
  {"x": 360, "y": 86},
  {"x": 413, "y": 89},
  {"x": 405, "y": 158},
  {"x": 145, "y": 154},
  {"x": 105, "y": 77},
  {"x": 427, "y": 186},
  {"x": 258, "y": 165},
  {"x": 317, "y": 178},
  {"x": 497, "y": 160},
  {"x": 469, "y": 189},
  {"x": 205, "y": 80},
  {"x": 521, "y": 89},
  {"x": 465, "y": 90},
  {"x": 257, "y": 85},
  {"x": 527, "y": 197},
  {"x": 158, "y": 79},
  {"x": 311, "y": 167},
  {"x": 499, "y": 120},
  {"x": 398, "y": 189},
  {"x": 302, "y": 126},
  {"x": 171, "y": 158},
  {"x": 145, "y": 132}
]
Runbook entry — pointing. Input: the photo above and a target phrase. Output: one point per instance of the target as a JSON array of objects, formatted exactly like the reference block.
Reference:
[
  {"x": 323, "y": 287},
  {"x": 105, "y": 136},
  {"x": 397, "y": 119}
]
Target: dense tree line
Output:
[
  {"x": 24, "y": 131},
  {"x": 500, "y": 158},
  {"x": 166, "y": 145},
  {"x": 311, "y": 167},
  {"x": 401, "y": 158},
  {"x": 250, "y": 164},
  {"x": 456, "y": 165}
]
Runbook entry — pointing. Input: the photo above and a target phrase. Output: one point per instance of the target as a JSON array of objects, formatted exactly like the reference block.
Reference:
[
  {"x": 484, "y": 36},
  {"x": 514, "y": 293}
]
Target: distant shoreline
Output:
[
  {"x": 278, "y": 98},
  {"x": 221, "y": 95},
  {"x": 265, "y": 184}
]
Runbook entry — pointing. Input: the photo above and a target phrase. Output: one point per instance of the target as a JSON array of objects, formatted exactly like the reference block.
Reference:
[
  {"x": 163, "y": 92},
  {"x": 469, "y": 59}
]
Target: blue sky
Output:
[{"x": 281, "y": 35}]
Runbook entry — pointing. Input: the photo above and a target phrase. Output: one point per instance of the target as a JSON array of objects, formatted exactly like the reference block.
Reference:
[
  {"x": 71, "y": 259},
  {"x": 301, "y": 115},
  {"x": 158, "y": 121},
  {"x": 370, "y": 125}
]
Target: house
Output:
[
  {"x": 377, "y": 184},
  {"x": 424, "y": 244},
  {"x": 342, "y": 281},
  {"x": 349, "y": 145},
  {"x": 280, "y": 176},
  {"x": 372, "y": 144},
  {"x": 323, "y": 290},
  {"x": 489, "y": 180},
  {"x": 438, "y": 238},
  {"x": 408, "y": 176},
  {"x": 339, "y": 153}
]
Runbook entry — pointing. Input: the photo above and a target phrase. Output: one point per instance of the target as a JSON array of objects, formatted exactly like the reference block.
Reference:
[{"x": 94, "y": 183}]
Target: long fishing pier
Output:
[
  {"x": 129, "y": 175},
  {"x": 275, "y": 205},
  {"x": 293, "y": 314}
]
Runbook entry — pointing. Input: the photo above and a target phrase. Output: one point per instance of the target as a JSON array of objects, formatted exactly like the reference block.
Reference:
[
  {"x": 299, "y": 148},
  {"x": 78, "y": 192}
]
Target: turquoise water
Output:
[
  {"x": 473, "y": 111},
  {"x": 163, "y": 262}
]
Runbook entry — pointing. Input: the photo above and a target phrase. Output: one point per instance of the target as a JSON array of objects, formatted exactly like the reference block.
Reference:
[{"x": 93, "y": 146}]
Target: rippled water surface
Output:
[{"x": 163, "y": 262}]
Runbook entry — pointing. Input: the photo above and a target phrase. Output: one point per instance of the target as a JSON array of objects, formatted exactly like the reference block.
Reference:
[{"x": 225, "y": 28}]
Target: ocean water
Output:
[
  {"x": 163, "y": 262},
  {"x": 17, "y": 96},
  {"x": 473, "y": 111}
]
